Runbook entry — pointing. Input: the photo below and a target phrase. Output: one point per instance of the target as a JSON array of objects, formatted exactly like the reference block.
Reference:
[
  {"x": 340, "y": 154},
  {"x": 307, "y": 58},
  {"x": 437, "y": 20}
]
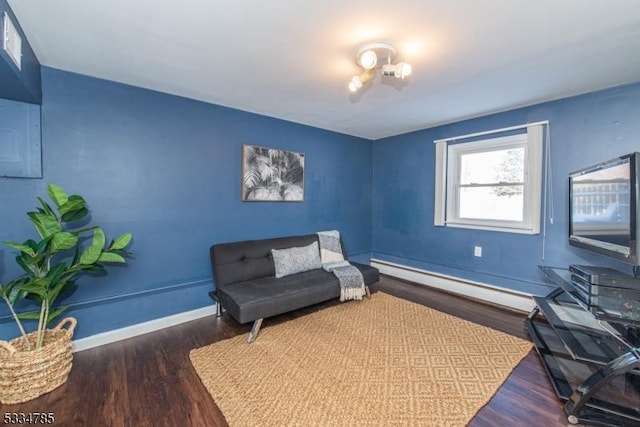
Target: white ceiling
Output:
[{"x": 293, "y": 59}]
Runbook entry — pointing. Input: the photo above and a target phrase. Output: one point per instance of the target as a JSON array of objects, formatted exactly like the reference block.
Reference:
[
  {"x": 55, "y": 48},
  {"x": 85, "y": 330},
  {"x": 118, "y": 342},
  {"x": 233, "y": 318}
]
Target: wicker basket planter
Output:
[{"x": 25, "y": 375}]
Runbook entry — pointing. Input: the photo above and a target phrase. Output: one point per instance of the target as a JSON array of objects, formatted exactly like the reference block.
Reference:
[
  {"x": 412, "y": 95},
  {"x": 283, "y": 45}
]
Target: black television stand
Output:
[{"x": 592, "y": 359}]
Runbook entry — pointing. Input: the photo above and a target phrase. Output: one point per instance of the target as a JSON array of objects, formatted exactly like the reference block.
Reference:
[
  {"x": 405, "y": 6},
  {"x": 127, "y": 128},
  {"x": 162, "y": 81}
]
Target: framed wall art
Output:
[{"x": 272, "y": 175}]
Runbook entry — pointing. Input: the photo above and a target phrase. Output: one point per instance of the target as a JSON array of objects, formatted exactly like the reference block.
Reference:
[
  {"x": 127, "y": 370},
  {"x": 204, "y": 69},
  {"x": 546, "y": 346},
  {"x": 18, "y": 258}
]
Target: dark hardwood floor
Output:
[{"x": 149, "y": 381}]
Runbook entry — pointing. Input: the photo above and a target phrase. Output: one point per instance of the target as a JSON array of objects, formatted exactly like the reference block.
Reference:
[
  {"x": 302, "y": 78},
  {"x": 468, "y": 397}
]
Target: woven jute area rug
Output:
[{"x": 382, "y": 361}]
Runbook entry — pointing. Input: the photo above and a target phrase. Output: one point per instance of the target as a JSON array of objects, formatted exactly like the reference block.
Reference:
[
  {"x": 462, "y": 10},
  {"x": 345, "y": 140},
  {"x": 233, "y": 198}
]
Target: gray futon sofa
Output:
[{"x": 246, "y": 286}]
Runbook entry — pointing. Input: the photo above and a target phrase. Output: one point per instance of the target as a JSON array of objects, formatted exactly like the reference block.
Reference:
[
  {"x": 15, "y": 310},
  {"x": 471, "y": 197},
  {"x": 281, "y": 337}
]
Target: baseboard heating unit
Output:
[{"x": 509, "y": 298}]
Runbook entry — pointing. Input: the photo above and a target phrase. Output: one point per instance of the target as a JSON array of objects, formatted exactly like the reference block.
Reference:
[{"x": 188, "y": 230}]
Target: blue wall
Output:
[
  {"x": 167, "y": 169},
  {"x": 585, "y": 130}
]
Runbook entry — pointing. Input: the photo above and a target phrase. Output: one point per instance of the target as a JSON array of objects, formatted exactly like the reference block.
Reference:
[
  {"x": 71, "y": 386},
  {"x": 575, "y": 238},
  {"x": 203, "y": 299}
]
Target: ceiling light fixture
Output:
[
  {"x": 400, "y": 70},
  {"x": 377, "y": 55},
  {"x": 368, "y": 59},
  {"x": 358, "y": 81}
]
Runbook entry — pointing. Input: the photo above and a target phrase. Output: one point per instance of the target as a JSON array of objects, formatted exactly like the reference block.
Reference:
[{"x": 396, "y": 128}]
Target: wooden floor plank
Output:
[{"x": 149, "y": 380}]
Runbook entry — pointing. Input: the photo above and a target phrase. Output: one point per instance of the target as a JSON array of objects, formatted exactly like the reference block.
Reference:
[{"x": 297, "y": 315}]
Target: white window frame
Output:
[{"x": 447, "y": 182}]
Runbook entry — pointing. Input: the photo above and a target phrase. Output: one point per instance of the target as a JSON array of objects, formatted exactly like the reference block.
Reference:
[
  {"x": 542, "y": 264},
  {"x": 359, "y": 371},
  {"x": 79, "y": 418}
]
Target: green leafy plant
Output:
[{"x": 52, "y": 264}]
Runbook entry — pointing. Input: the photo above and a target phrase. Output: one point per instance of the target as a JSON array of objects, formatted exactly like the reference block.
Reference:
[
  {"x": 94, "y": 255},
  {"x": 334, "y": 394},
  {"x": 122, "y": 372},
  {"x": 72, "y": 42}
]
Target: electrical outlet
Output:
[{"x": 477, "y": 251}]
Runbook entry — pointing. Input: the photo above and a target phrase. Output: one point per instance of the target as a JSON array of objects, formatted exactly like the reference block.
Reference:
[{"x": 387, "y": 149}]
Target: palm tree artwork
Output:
[{"x": 269, "y": 174}]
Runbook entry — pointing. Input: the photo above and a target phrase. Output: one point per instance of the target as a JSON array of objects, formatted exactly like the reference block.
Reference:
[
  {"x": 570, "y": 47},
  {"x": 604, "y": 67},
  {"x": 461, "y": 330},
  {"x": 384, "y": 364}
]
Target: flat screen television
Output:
[{"x": 603, "y": 201}]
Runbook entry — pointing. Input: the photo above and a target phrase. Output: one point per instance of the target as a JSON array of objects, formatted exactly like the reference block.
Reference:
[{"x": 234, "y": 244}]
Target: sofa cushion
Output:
[
  {"x": 296, "y": 260},
  {"x": 240, "y": 261},
  {"x": 267, "y": 296}
]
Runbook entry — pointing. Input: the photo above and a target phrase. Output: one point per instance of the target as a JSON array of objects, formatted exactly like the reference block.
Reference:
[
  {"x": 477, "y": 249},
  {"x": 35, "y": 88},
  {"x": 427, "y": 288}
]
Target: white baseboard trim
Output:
[
  {"x": 515, "y": 300},
  {"x": 141, "y": 328}
]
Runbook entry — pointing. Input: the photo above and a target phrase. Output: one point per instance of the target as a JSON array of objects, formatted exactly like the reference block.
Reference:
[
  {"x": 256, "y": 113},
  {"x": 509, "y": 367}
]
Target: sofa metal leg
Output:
[
  {"x": 254, "y": 331},
  {"x": 218, "y": 306},
  {"x": 367, "y": 292}
]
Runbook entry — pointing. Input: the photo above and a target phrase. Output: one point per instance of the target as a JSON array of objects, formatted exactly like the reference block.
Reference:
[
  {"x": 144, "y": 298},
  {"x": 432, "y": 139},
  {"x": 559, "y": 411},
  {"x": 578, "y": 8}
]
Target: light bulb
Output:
[
  {"x": 368, "y": 59},
  {"x": 403, "y": 70},
  {"x": 357, "y": 81},
  {"x": 355, "y": 84}
]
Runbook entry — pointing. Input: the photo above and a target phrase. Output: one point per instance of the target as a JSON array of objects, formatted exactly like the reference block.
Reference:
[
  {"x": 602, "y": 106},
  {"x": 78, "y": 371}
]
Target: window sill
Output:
[{"x": 487, "y": 227}]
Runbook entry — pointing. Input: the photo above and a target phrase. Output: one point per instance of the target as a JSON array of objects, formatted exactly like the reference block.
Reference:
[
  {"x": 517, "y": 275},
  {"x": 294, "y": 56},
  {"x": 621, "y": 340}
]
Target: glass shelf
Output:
[
  {"x": 608, "y": 306},
  {"x": 620, "y": 396},
  {"x": 584, "y": 337},
  {"x": 591, "y": 357}
]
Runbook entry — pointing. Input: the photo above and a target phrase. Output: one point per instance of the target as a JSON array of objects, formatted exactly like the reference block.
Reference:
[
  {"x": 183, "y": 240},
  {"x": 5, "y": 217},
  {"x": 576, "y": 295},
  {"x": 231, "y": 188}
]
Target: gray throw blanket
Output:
[{"x": 350, "y": 278}]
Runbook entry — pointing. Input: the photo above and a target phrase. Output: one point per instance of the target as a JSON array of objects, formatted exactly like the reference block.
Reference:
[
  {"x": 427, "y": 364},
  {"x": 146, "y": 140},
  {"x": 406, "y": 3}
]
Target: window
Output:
[{"x": 491, "y": 184}]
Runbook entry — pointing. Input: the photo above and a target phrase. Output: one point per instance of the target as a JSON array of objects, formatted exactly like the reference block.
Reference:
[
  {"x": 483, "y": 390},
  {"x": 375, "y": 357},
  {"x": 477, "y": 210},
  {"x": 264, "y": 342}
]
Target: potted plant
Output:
[{"x": 37, "y": 362}]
